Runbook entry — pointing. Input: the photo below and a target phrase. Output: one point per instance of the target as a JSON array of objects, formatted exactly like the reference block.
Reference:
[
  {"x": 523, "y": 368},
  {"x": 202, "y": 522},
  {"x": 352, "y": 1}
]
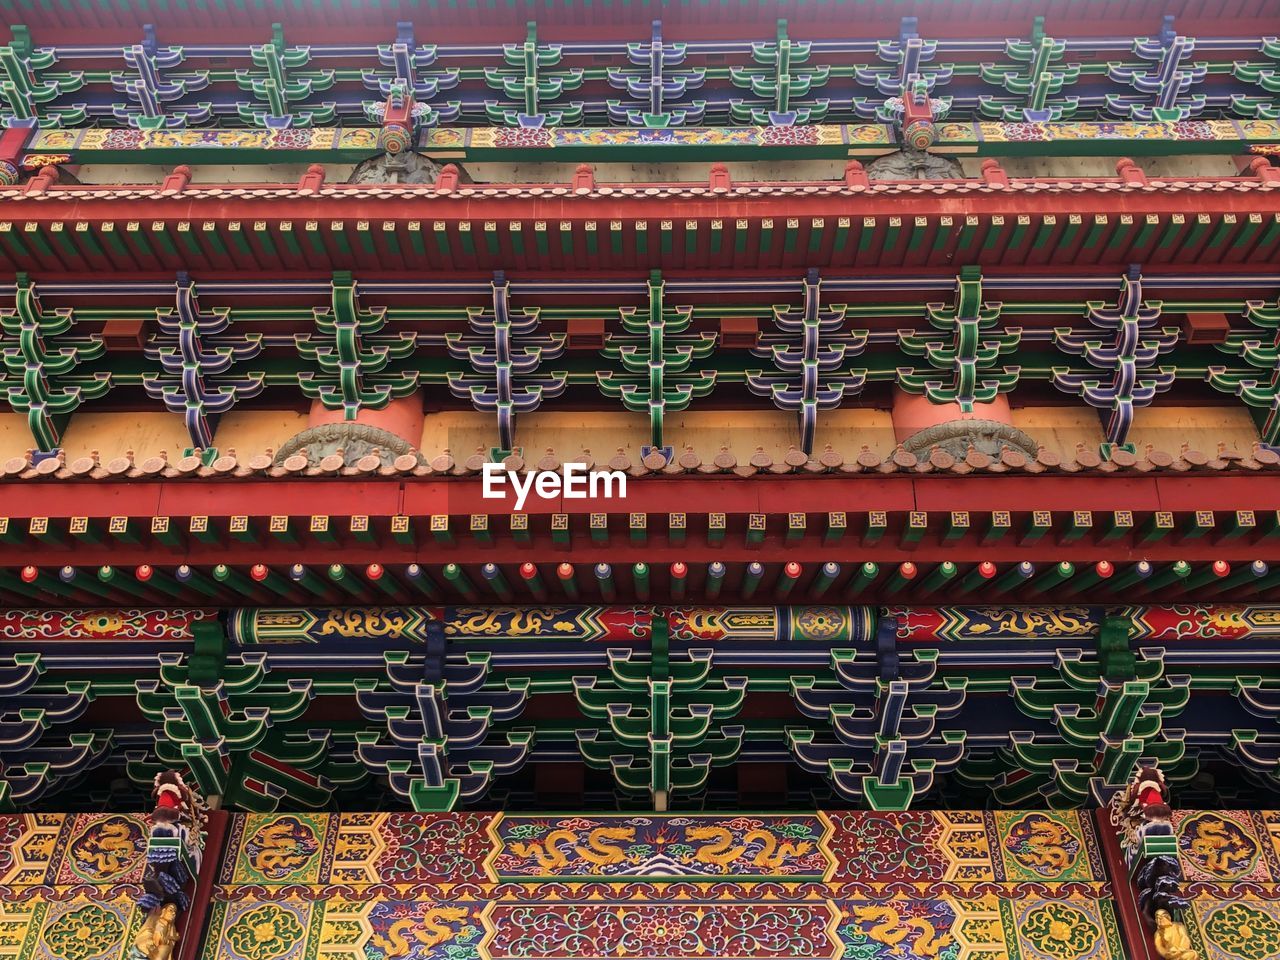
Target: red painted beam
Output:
[
  {"x": 141, "y": 499},
  {"x": 196, "y": 209},
  {"x": 764, "y": 494},
  {"x": 275, "y": 203}
]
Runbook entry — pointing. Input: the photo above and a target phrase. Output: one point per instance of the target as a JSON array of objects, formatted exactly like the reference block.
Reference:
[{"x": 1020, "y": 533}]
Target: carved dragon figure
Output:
[
  {"x": 1046, "y": 845},
  {"x": 720, "y": 852},
  {"x": 546, "y": 851},
  {"x": 892, "y": 930},
  {"x": 1142, "y": 815},
  {"x": 174, "y": 853},
  {"x": 280, "y": 848},
  {"x": 1214, "y": 844},
  {"x": 1146, "y": 788},
  {"x": 109, "y": 848},
  {"x": 548, "y": 854},
  {"x": 432, "y": 929},
  {"x": 773, "y": 854},
  {"x": 604, "y": 854}
]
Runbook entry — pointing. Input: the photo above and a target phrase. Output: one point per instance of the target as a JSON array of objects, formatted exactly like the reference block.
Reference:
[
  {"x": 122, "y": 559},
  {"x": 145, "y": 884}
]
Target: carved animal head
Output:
[{"x": 1148, "y": 775}]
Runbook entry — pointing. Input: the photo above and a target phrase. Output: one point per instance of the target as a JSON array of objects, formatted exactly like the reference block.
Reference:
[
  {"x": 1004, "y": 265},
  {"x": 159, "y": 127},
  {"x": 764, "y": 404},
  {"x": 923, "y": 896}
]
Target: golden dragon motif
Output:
[
  {"x": 720, "y": 852},
  {"x": 1046, "y": 845},
  {"x": 279, "y": 848},
  {"x": 109, "y": 848},
  {"x": 604, "y": 854},
  {"x": 549, "y": 855},
  {"x": 428, "y": 931},
  {"x": 773, "y": 854},
  {"x": 892, "y": 930},
  {"x": 1215, "y": 846}
]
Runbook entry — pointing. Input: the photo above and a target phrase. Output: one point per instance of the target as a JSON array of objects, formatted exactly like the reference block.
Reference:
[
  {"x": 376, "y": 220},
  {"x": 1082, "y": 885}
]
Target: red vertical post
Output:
[
  {"x": 193, "y": 922},
  {"x": 1134, "y": 929},
  {"x": 12, "y": 142}
]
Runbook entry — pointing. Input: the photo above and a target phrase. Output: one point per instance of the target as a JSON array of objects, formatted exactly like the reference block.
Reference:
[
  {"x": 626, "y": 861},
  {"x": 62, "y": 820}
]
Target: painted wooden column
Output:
[
  {"x": 1137, "y": 939},
  {"x": 195, "y": 918}
]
